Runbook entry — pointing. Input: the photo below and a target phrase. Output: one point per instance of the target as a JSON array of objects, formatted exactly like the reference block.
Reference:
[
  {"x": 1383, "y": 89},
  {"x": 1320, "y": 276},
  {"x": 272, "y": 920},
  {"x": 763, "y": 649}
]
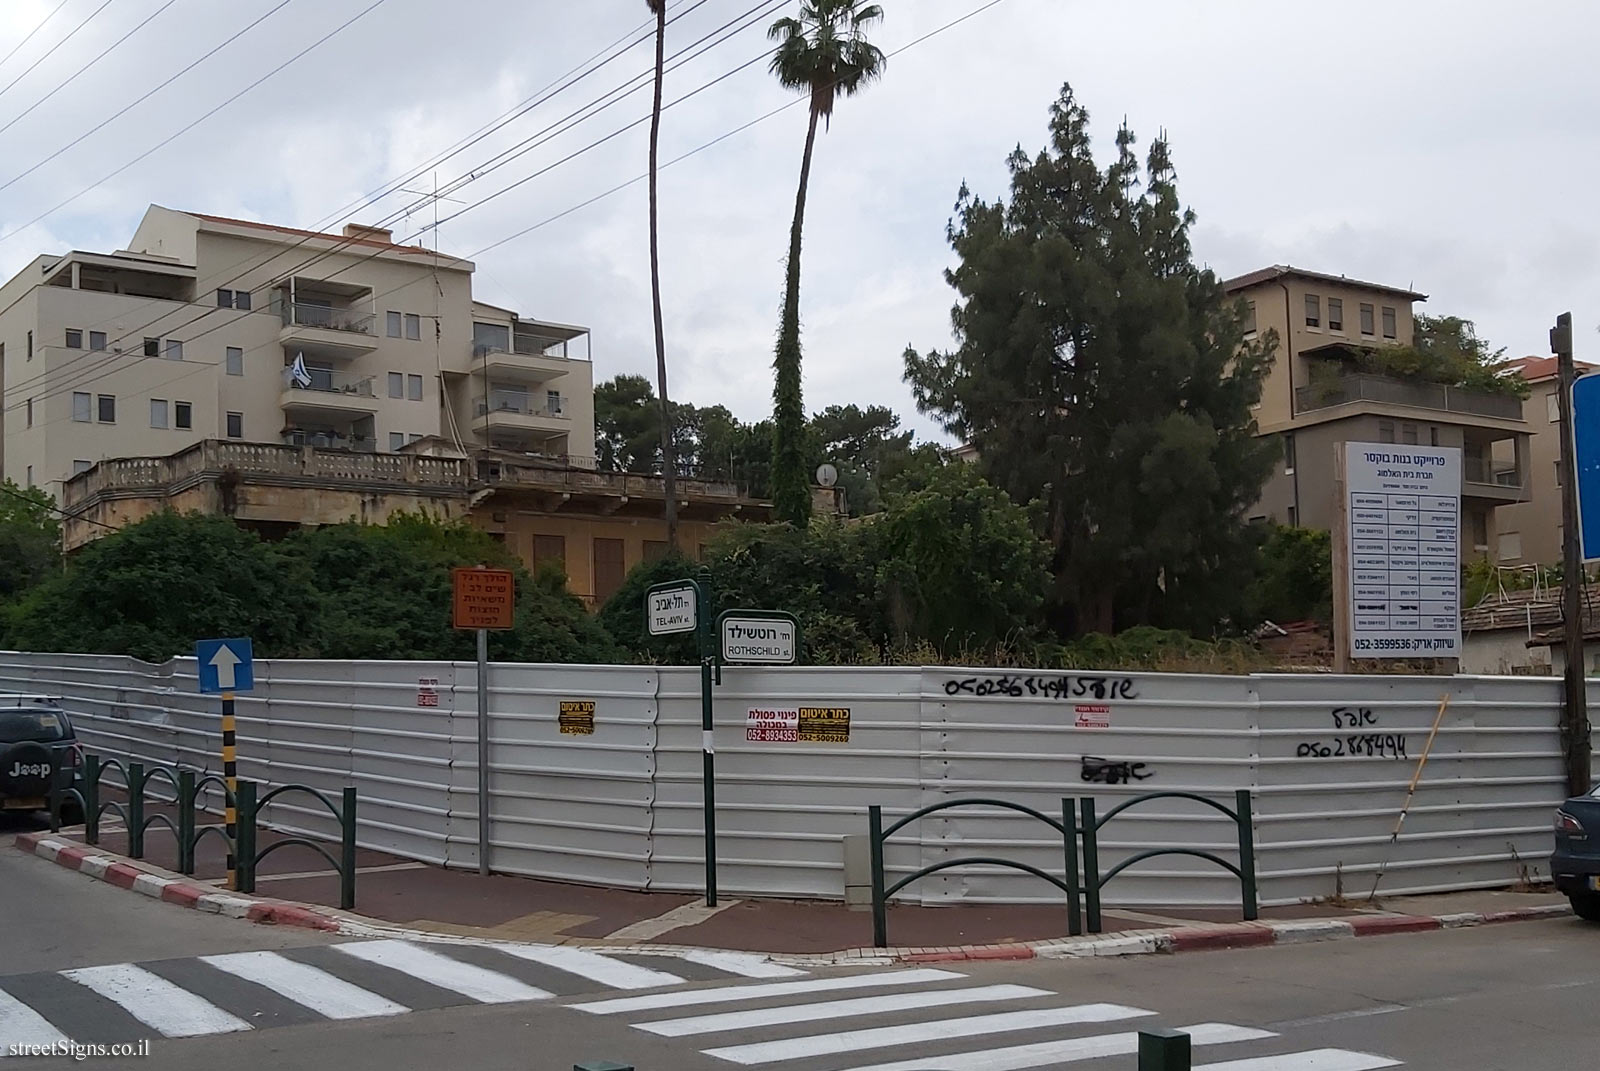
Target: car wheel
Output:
[
  {"x": 1586, "y": 906},
  {"x": 26, "y": 770}
]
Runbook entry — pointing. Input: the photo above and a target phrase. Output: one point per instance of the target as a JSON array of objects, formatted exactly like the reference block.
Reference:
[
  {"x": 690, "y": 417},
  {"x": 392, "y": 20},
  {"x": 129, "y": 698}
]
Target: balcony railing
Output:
[
  {"x": 331, "y": 319},
  {"x": 1482, "y": 470},
  {"x": 517, "y": 405},
  {"x": 331, "y": 440},
  {"x": 325, "y": 381},
  {"x": 1370, "y": 388}
]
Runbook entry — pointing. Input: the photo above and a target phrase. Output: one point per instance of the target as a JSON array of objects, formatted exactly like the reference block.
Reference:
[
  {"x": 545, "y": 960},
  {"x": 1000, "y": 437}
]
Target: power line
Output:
[
  {"x": 70, "y": 78},
  {"x": 52, "y": 50},
  {"x": 125, "y": 109},
  {"x": 53, "y": 508},
  {"x": 184, "y": 130},
  {"x": 540, "y": 97},
  {"x": 87, "y": 375},
  {"x": 42, "y": 24}
]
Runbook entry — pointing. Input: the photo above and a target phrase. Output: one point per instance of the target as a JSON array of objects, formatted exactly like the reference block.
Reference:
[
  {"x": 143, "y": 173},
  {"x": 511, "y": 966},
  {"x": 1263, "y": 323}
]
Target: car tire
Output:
[
  {"x": 36, "y": 769},
  {"x": 1586, "y": 906}
]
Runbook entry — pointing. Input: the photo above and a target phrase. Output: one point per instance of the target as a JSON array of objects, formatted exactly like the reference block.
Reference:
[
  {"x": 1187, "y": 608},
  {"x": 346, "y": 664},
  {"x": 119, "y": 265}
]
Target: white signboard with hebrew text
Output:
[{"x": 1404, "y": 539}]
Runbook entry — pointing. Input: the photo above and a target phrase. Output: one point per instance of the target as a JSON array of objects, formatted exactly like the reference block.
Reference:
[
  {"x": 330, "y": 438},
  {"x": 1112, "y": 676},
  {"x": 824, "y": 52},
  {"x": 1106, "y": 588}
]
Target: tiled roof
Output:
[
  {"x": 1277, "y": 271},
  {"x": 1537, "y": 369},
  {"x": 372, "y": 242},
  {"x": 1526, "y": 609}
]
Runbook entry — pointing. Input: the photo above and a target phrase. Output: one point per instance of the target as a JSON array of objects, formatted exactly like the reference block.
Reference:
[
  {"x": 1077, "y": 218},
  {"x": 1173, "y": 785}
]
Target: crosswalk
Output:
[
  {"x": 243, "y": 991},
  {"x": 935, "y": 1020}
]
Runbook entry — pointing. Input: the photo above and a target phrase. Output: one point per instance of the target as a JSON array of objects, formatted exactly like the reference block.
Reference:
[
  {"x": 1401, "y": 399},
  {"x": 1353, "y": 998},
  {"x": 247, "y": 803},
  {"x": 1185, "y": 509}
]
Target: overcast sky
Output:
[{"x": 1448, "y": 145}]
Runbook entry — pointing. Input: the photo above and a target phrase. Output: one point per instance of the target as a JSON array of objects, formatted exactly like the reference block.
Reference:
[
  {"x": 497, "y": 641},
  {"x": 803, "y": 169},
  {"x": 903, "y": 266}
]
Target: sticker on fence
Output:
[
  {"x": 824, "y": 725},
  {"x": 772, "y": 725},
  {"x": 1092, "y": 716},
  {"x": 577, "y": 717},
  {"x": 427, "y": 691}
]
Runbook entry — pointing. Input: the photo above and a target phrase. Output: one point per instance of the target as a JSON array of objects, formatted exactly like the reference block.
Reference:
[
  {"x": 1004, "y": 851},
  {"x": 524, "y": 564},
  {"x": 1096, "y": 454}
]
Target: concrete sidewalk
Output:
[{"x": 420, "y": 897}]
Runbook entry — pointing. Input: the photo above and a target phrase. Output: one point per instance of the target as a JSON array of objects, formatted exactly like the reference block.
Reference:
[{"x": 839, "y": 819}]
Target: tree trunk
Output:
[
  {"x": 669, "y": 452},
  {"x": 791, "y": 488}
]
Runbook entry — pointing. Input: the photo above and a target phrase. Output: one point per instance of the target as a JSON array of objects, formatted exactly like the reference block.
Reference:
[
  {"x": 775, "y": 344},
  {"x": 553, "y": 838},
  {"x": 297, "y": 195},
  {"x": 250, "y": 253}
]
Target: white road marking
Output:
[
  {"x": 723, "y": 994},
  {"x": 1050, "y": 1053},
  {"x": 482, "y": 985},
  {"x": 847, "y": 1041},
  {"x": 837, "y": 1009},
  {"x": 1313, "y": 1060},
  {"x": 1334, "y": 1017},
  {"x": 171, "y": 1011},
  {"x": 306, "y": 985},
  {"x": 597, "y": 968},
  {"x": 21, "y": 1025},
  {"x": 741, "y": 963}
]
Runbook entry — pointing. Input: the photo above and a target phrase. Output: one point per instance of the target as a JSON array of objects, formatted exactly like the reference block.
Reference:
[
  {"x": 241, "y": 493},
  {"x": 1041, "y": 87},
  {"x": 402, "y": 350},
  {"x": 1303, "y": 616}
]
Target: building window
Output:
[
  {"x": 397, "y": 439},
  {"x": 1479, "y": 530},
  {"x": 1558, "y": 474},
  {"x": 414, "y": 388},
  {"x": 74, "y": 339},
  {"x": 30, "y": 475},
  {"x": 80, "y": 407},
  {"x": 1552, "y": 407},
  {"x": 552, "y": 402},
  {"x": 1250, "y": 320},
  {"x": 394, "y": 324},
  {"x": 1335, "y": 314},
  {"x": 655, "y": 549},
  {"x": 224, "y": 299},
  {"x": 609, "y": 570},
  {"x": 1313, "y": 311},
  {"x": 241, "y": 300},
  {"x": 80, "y": 467},
  {"x": 97, "y": 340},
  {"x": 550, "y": 548},
  {"x": 152, "y": 347},
  {"x": 174, "y": 350},
  {"x": 1386, "y": 431},
  {"x": 1408, "y": 434},
  {"x": 183, "y": 415},
  {"x": 413, "y": 327},
  {"x": 235, "y": 425},
  {"x": 30, "y": 412},
  {"x": 1510, "y": 546},
  {"x": 1288, "y": 455},
  {"x": 1433, "y": 436},
  {"x": 1388, "y": 323},
  {"x": 1293, "y": 516},
  {"x": 1367, "y": 327},
  {"x": 30, "y": 345},
  {"x": 108, "y": 408},
  {"x": 235, "y": 361},
  {"x": 158, "y": 412},
  {"x": 413, "y": 438},
  {"x": 397, "y": 385}
]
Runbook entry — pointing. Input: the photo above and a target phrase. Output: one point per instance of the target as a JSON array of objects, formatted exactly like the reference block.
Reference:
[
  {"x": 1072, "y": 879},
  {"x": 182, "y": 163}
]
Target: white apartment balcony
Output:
[
  {"x": 530, "y": 368},
  {"x": 505, "y": 414},
  {"x": 330, "y": 395},
  {"x": 326, "y": 319}
]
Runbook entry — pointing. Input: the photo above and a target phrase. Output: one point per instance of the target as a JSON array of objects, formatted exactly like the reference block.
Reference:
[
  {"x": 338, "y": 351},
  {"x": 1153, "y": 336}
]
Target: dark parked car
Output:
[
  {"x": 1576, "y": 862},
  {"x": 36, "y": 744}
]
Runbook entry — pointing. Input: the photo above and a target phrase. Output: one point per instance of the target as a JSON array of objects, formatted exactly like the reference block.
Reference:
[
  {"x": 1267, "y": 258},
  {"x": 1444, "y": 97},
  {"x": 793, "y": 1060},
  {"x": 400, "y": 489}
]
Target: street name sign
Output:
[{"x": 672, "y": 608}]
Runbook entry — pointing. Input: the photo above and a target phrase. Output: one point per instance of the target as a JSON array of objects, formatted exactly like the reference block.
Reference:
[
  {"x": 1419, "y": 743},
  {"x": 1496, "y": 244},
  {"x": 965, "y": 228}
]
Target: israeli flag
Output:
[{"x": 297, "y": 374}]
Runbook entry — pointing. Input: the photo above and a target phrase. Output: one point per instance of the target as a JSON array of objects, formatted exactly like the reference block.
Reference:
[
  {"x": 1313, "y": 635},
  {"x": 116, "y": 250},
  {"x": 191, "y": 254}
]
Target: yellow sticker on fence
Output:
[
  {"x": 825, "y": 725},
  {"x": 577, "y": 717}
]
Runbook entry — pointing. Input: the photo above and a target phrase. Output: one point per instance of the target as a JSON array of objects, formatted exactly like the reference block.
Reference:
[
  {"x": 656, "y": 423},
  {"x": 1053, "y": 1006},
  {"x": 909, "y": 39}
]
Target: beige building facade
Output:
[
  {"x": 214, "y": 328},
  {"x": 1316, "y": 398}
]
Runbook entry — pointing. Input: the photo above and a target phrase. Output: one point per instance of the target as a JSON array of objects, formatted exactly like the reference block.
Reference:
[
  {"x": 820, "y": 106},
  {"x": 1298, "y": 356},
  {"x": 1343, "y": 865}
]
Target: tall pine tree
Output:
[{"x": 1101, "y": 373}]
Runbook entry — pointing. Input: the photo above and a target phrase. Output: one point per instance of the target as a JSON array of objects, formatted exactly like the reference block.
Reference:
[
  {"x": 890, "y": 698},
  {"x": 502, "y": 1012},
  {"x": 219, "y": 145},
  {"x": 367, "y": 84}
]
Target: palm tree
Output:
[
  {"x": 669, "y": 458},
  {"x": 826, "y": 54}
]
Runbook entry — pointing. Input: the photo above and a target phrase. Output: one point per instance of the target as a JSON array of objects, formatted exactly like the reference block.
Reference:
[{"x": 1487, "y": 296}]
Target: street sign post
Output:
[
  {"x": 758, "y": 637},
  {"x": 670, "y": 609},
  {"x": 483, "y": 599},
  {"x": 226, "y": 667}
]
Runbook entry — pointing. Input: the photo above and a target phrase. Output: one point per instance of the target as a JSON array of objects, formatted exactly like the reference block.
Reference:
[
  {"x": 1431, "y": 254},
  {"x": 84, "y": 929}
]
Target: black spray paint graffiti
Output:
[
  {"x": 1112, "y": 772},
  {"x": 1361, "y": 745},
  {"x": 1067, "y": 687}
]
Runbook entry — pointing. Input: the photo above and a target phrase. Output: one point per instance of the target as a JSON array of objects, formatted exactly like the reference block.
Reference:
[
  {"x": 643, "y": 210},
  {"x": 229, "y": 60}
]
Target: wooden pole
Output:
[
  {"x": 1411, "y": 790},
  {"x": 1575, "y": 708}
]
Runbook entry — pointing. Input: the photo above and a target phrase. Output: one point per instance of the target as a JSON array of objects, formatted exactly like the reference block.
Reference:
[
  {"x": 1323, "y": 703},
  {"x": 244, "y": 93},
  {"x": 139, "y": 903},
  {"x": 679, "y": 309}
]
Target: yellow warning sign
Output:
[
  {"x": 577, "y": 717},
  {"x": 825, "y": 725}
]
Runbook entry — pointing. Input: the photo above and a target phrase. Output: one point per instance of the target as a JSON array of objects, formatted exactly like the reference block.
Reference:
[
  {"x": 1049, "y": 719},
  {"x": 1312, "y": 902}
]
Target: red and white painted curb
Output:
[{"x": 185, "y": 892}]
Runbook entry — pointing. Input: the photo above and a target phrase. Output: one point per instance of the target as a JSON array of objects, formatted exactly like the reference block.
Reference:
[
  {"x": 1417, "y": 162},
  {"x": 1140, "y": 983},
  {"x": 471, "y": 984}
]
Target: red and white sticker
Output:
[
  {"x": 1093, "y": 716},
  {"x": 427, "y": 691},
  {"x": 772, "y": 725}
]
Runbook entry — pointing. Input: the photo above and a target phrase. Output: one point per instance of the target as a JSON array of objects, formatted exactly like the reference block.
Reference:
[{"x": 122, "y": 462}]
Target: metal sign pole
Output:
[
  {"x": 708, "y": 772},
  {"x": 483, "y": 751},
  {"x": 230, "y": 777}
]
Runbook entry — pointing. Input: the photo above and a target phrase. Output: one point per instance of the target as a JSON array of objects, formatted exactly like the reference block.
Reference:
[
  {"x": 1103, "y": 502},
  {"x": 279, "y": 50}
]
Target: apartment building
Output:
[
  {"x": 1531, "y": 531},
  {"x": 1316, "y": 397},
  {"x": 214, "y": 328}
]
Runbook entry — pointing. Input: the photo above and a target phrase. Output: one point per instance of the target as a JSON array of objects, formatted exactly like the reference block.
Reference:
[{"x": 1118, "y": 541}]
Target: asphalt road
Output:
[{"x": 1519, "y": 996}]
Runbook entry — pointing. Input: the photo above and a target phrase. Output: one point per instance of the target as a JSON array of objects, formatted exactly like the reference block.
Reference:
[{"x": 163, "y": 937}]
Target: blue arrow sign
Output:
[
  {"x": 1586, "y": 455},
  {"x": 225, "y": 665}
]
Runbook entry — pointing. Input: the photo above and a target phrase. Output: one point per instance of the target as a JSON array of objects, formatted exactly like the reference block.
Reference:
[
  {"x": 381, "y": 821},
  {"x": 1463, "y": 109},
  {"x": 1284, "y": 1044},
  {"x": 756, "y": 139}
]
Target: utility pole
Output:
[{"x": 1575, "y": 707}]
